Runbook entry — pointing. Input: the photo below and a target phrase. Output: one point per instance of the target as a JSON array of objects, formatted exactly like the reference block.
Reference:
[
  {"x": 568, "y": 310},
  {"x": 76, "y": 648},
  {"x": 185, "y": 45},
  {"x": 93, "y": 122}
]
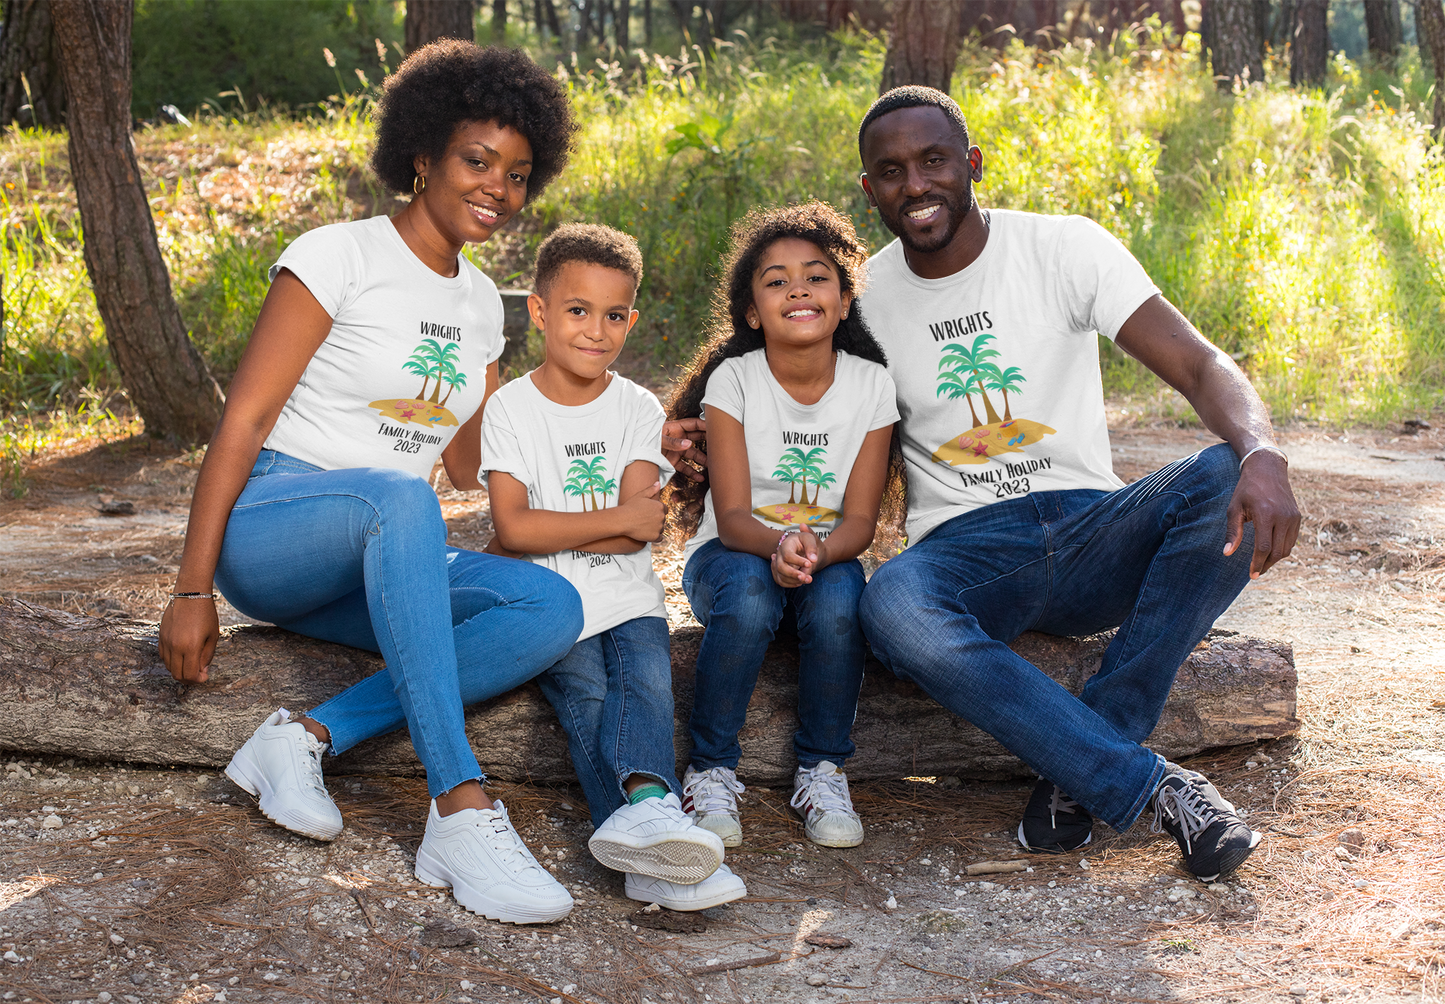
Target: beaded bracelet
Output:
[
  {"x": 784, "y": 536},
  {"x": 1265, "y": 449},
  {"x": 193, "y": 596}
]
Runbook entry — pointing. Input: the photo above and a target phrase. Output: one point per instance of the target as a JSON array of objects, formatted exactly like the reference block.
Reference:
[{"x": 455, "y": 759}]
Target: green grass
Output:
[{"x": 1302, "y": 231}]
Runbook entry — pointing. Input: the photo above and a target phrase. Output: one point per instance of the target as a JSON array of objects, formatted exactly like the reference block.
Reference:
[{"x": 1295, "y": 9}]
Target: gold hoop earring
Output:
[{"x": 418, "y": 184}]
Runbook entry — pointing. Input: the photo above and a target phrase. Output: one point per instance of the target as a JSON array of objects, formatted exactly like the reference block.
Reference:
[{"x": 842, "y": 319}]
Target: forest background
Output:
[{"x": 1301, "y": 227}]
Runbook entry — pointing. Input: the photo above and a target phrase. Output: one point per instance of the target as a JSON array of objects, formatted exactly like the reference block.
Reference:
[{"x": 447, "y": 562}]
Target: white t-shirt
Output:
[
  {"x": 799, "y": 455},
  {"x": 571, "y": 459},
  {"x": 997, "y": 366},
  {"x": 405, "y": 362}
]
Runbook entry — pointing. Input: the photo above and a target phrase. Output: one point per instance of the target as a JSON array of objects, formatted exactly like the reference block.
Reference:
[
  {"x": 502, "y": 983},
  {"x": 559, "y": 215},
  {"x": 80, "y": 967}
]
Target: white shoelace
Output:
[
  {"x": 497, "y": 830},
  {"x": 824, "y": 792},
  {"x": 1186, "y": 805},
  {"x": 1059, "y": 802},
  {"x": 714, "y": 790},
  {"x": 311, "y": 758}
]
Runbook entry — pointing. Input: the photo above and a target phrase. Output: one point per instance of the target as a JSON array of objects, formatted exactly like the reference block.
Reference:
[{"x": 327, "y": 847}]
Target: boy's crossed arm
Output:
[{"x": 629, "y": 526}]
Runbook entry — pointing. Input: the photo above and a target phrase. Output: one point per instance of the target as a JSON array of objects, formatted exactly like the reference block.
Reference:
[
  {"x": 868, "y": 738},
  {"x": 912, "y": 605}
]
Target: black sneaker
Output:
[
  {"x": 1207, "y": 828},
  {"x": 1053, "y": 822}
]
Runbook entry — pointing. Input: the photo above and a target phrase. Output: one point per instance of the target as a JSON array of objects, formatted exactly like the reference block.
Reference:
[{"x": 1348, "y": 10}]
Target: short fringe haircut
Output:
[
  {"x": 448, "y": 82},
  {"x": 914, "y": 96},
  {"x": 590, "y": 244},
  {"x": 730, "y": 336}
]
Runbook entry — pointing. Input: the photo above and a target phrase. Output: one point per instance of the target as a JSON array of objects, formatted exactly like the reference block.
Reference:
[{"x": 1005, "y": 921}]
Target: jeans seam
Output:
[{"x": 619, "y": 740}]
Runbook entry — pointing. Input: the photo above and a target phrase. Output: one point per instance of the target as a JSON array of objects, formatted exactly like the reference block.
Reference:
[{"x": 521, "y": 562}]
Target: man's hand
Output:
[
  {"x": 1263, "y": 497},
  {"x": 796, "y": 559},
  {"x": 679, "y": 443},
  {"x": 644, "y": 514},
  {"x": 189, "y": 632}
]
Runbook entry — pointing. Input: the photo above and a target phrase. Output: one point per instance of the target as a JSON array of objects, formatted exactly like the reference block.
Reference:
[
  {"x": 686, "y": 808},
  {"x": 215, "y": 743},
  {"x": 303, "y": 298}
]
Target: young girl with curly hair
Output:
[
  {"x": 373, "y": 355},
  {"x": 800, "y": 415}
]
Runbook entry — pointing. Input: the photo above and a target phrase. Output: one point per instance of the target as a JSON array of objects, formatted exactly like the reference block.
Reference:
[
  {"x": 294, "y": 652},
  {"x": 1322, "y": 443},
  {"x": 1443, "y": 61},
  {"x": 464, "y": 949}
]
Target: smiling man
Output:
[{"x": 1016, "y": 521}]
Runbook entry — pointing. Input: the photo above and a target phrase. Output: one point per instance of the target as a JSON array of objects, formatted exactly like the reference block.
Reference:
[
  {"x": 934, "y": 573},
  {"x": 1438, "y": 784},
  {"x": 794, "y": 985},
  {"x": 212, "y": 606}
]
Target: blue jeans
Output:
[
  {"x": 613, "y": 695},
  {"x": 359, "y": 557},
  {"x": 1147, "y": 559},
  {"x": 734, "y": 596}
]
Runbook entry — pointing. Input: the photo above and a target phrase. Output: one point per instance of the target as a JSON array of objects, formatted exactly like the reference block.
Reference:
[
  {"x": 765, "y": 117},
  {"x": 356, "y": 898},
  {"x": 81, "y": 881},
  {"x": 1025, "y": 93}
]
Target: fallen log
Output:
[{"x": 81, "y": 686}]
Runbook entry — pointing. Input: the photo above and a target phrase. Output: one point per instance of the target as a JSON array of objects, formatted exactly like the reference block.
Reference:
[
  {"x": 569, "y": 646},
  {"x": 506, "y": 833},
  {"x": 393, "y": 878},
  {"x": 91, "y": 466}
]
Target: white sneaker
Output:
[
  {"x": 710, "y": 797},
  {"x": 656, "y": 838},
  {"x": 820, "y": 796},
  {"x": 281, "y": 763},
  {"x": 722, "y": 886},
  {"x": 478, "y": 853}
]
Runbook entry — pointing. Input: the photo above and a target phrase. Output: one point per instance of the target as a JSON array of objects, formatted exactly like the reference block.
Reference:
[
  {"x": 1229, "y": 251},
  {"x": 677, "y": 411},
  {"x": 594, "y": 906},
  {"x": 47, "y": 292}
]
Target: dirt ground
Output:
[{"x": 126, "y": 883}]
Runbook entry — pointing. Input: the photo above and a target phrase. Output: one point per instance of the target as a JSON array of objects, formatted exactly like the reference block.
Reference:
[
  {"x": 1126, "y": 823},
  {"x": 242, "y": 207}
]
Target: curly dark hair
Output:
[
  {"x": 729, "y": 334},
  {"x": 914, "y": 96},
  {"x": 448, "y": 82},
  {"x": 591, "y": 244}
]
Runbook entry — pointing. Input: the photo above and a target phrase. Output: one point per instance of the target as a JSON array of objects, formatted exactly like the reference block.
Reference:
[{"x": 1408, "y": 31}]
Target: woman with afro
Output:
[{"x": 373, "y": 355}]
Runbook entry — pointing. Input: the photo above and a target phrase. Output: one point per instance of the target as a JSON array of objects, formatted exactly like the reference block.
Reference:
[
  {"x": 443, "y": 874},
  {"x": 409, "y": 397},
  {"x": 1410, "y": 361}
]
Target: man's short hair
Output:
[
  {"x": 591, "y": 244},
  {"x": 914, "y": 96}
]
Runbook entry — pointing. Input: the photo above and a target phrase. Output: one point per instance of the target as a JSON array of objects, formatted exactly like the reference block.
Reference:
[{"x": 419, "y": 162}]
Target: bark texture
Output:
[
  {"x": 1234, "y": 38},
  {"x": 428, "y": 20},
  {"x": 28, "y": 57},
  {"x": 167, "y": 380},
  {"x": 1309, "y": 52},
  {"x": 923, "y": 46},
  {"x": 1430, "y": 16},
  {"x": 80, "y": 686},
  {"x": 1382, "y": 28}
]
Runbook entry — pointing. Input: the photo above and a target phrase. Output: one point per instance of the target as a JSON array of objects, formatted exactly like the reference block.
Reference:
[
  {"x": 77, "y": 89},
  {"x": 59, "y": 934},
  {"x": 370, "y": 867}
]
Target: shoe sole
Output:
[
  {"x": 1046, "y": 850},
  {"x": 840, "y": 842},
  {"x": 433, "y": 873},
  {"x": 253, "y": 783},
  {"x": 693, "y": 905},
  {"x": 686, "y": 860},
  {"x": 1233, "y": 859}
]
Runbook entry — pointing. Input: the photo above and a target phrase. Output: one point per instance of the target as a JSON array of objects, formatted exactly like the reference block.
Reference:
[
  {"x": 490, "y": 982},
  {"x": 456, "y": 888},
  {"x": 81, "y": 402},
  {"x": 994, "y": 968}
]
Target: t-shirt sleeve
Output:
[
  {"x": 1101, "y": 283},
  {"x": 885, "y": 405},
  {"x": 645, "y": 436},
  {"x": 328, "y": 263},
  {"x": 496, "y": 321},
  {"x": 725, "y": 389},
  {"x": 501, "y": 449}
]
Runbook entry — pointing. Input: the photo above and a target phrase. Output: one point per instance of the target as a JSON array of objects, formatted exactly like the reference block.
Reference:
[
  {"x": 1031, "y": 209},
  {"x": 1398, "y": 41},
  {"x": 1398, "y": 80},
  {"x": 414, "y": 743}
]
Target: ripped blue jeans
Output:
[{"x": 734, "y": 596}]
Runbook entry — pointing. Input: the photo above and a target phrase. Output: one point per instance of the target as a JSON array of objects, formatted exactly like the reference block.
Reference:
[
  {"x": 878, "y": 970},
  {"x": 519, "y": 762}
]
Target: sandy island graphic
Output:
[
  {"x": 965, "y": 371},
  {"x": 431, "y": 361},
  {"x": 797, "y": 467}
]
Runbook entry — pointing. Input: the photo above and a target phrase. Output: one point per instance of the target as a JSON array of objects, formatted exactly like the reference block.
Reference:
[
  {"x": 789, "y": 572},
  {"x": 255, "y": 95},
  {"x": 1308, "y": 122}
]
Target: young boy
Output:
[{"x": 574, "y": 473}]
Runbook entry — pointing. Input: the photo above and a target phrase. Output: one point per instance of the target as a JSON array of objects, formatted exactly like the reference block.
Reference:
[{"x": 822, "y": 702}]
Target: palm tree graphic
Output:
[
  {"x": 453, "y": 379},
  {"x": 577, "y": 483},
  {"x": 795, "y": 466},
  {"x": 788, "y": 471},
  {"x": 432, "y": 359},
  {"x": 589, "y": 478},
  {"x": 962, "y": 371},
  {"x": 1004, "y": 381}
]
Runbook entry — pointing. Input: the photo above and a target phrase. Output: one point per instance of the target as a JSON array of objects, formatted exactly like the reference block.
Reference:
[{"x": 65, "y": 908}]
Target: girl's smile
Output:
[{"x": 798, "y": 298}]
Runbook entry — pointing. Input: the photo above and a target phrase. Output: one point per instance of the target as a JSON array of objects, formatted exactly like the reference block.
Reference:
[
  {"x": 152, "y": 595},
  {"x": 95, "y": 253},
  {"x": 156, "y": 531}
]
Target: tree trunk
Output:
[
  {"x": 647, "y": 24},
  {"x": 82, "y": 687},
  {"x": 621, "y": 28},
  {"x": 1382, "y": 25},
  {"x": 1309, "y": 52},
  {"x": 499, "y": 22},
  {"x": 923, "y": 46},
  {"x": 1236, "y": 52},
  {"x": 429, "y": 20},
  {"x": 1430, "y": 16},
  {"x": 165, "y": 375},
  {"x": 552, "y": 23},
  {"x": 28, "y": 57}
]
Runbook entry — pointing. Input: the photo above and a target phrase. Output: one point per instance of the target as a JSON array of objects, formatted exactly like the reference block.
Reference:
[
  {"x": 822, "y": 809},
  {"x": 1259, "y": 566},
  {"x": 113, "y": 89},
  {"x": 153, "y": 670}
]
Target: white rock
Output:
[
  {"x": 103, "y": 997},
  {"x": 52, "y": 822},
  {"x": 892, "y": 904},
  {"x": 116, "y": 939},
  {"x": 466, "y": 984},
  {"x": 570, "y": 988},
  {"x": 220, "y": 996},
  {"x": 556, "y": 1000},
  {"x": 271, "y": 977},
  {"x": 816, "y": 980},
  {"x": 11, "y": 957}
]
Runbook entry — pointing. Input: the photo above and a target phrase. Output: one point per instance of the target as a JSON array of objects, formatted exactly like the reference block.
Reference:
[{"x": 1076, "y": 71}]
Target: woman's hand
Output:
[
  {"x": 189, "y": 632},
  {"x": 796, "y": 559},
  {"x": 679, "y": 443}
]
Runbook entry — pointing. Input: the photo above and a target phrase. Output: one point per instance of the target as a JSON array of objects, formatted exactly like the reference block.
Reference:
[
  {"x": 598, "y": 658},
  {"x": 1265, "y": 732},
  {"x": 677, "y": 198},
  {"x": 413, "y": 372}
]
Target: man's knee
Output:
[{"x": 1216, "y": 472}]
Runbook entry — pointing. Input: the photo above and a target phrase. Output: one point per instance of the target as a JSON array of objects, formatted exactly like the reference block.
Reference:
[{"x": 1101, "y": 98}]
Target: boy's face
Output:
[{"x": 586, "y": 316}]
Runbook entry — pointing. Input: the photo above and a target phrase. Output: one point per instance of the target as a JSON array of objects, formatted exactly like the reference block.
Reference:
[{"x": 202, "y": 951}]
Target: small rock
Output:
[
  {"x": 467, "y": 984},
  {"x": 220, "y": 996},
  {"x": 669, "y": 920},
  {"x": 51, "y": 822},
  {"x": 103, "y": 997},
  {"x": 1342, "y": 854},
  {"x": 570, "y": 988},
  {"x": 1298, "y": 991},
  {"x": 115, "y": 508},
  {"x": 1084, "y": 863},
  {"x": 116, "y": 939},
  {"x": 11, "y": 957},
  {"x": 816, "y": 980},
  {"x": 891, "y": 904},
  {"x": 825, "y": 940},
  {"x": 271, "y": 977},
  {"x": 1218, "y": 887},
  {"x": 949, "y": 781},
  {"x": 444, "y": 934},
  {"x": 652, "y": 908},
  {"x": 1354, "y": 839},
  {"x": 137, "y": 978},
  {"x": 556, "y": 1000}
]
